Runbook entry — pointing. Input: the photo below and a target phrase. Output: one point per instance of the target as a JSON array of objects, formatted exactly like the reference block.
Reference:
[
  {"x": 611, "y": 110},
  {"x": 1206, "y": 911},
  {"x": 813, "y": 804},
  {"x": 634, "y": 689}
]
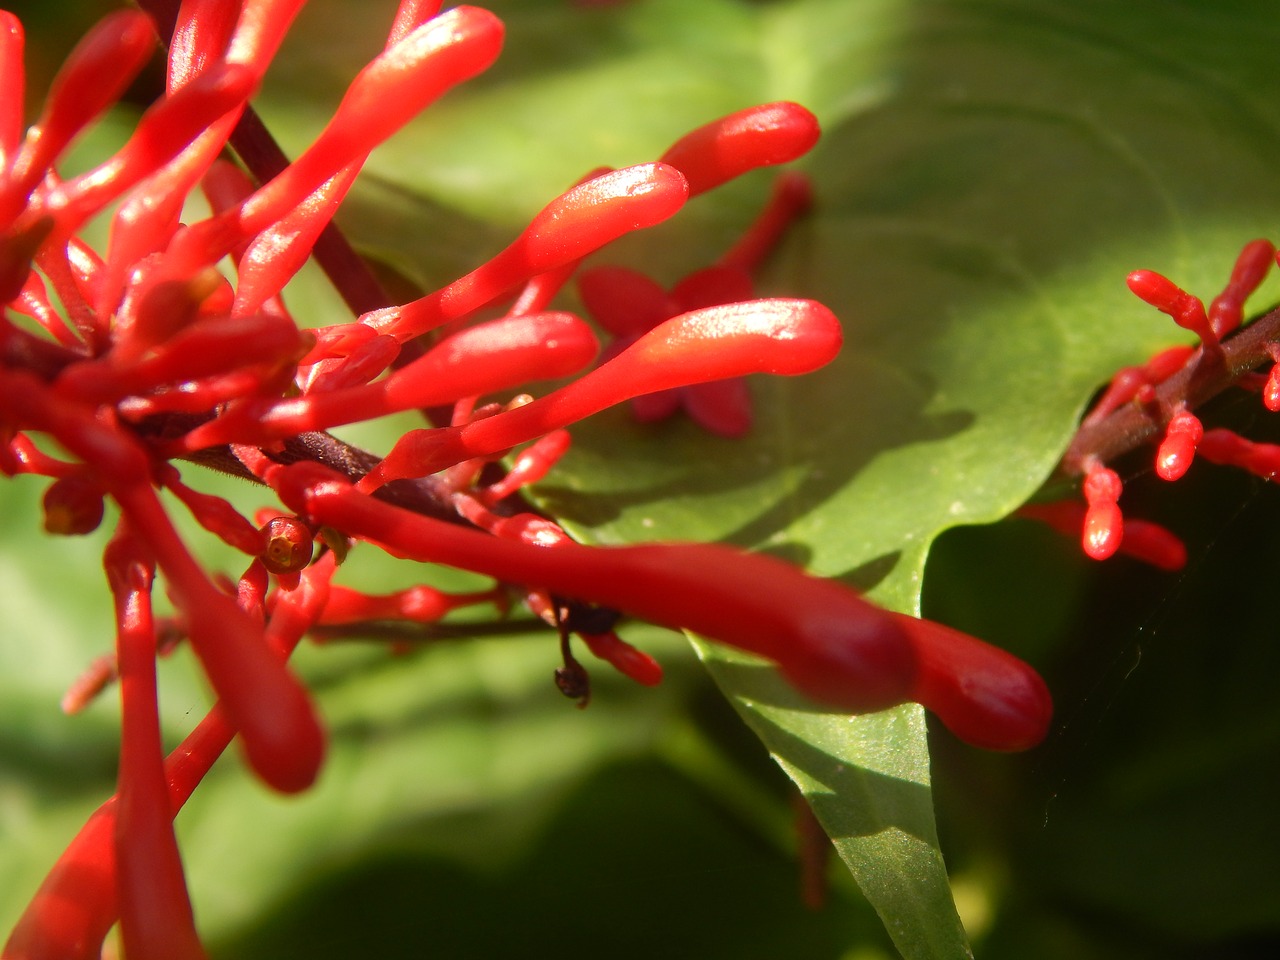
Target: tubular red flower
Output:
[
  {"x": 791, "y": 197},
  {"x": 1226, "y": 311},
  {"x": 827, "y": 641},
  {"x": 76, "y": 904},
  {"x": 578, "y": 222},
  {"x": 94, "y": 76},
  {"x": 34, "y": 302},
  {"x": 492, "y": 356},
  {"x": 1153, "y": 544},
  {"x": 787, "y": 337},
  {"x": 279, "y": 251},
  {"x": 28, "y": 458},
  {"x": 759, "y": 136},
  {"x": 164, "y": 130},
  {"x": 155, "y": 913},
  {"x": 391, "y": 90},
  {"x": 1185, "y": 309},
  {"x": 420, "y": 604},
  {"x": 628, "y": 305},
  {"x": 215, "y": 514},
  {"x": 269, "y": 707},
  {"x": 201, "y": 33},
  {"x": 1130, "y": 381},
  {"x": 529, "y": 466},
  {"x": 204, "y": 348},
  {"x": 625, "y": 658}
]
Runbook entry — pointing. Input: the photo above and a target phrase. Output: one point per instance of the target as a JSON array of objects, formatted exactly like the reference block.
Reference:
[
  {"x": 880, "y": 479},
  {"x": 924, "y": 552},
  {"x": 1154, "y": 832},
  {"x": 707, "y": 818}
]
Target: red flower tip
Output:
[
  {"x": 577, "y": 223},
  {"x": 1178, "y": 448},
  {"x": 1103, "y": 521},
  {"x": 1271, "y": 390},
  {"x": 396, "y": 85},
  {"x": 1226, "y": 312},
  {"x": 602, "y": 209},
  {"x": 986, "y": 696},
  {"x": 1186, "y": 310},
  {"x": 760, "y": 136},
  {"x": 1143, "y": 540}
]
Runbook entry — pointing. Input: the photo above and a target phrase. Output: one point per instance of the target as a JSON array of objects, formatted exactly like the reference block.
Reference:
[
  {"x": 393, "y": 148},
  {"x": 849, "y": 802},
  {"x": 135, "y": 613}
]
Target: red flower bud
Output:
[
  {"x": 289, "y": 545},
  {"x": 420, "y": 604},
  {"x": 73, "y": 506},
  {"x": 1178, "y": 448},
  {"x": 1103, "y": 522},
  {"x": 759, "y": 136},
  {"x": 625, "y": 658},
  {"x": 1226, "y": 312},
  {"x": 1185, "y": 309},
  {"x": 791, "y": 197},
  {"x": 1130, "y": 381},
  {"x": 1143, "y": 540},
  {"x": 164, "y": 130}
]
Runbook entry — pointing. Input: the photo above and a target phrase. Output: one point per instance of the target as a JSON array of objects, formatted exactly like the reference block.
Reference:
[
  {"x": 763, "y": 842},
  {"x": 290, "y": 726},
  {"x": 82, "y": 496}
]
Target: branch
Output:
[{"x": 1204, "y": 377}]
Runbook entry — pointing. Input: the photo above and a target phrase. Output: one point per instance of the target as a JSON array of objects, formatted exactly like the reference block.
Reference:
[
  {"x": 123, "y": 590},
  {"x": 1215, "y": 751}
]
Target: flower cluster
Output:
[
  {"x": 1154, "y": 402},
  {"x": 146, "y": 356}
]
